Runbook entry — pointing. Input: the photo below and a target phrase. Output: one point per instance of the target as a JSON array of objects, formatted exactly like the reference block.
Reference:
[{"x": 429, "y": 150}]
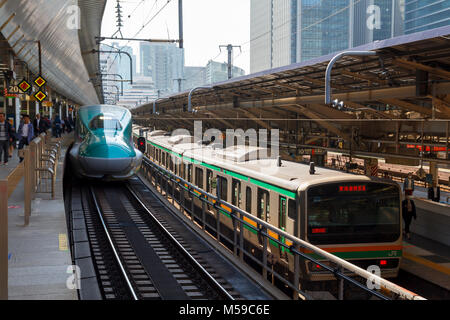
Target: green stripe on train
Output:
[{"x": 361, "y": 254}]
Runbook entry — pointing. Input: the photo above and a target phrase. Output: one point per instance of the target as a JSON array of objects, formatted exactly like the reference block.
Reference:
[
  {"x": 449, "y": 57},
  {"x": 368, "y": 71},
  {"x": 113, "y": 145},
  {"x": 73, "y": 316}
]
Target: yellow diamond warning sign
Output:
[
  {"x": 40, "y": 81},
  {"x": 40, "y": 96},
  {"x": 24, "y": 86}
]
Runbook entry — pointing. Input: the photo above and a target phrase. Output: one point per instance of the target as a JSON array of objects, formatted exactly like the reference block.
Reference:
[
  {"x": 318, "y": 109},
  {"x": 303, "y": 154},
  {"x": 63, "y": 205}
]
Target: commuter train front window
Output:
[
  {"x": 107, "y": 123},
  {"x": 369, "y": 214}
]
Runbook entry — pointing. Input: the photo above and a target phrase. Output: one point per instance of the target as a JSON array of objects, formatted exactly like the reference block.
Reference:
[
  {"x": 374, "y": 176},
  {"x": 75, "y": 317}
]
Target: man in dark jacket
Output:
[
  {"x": 434, "y": 193},
  {"x": 40, "y": 125},
  {"x": 6, "y": 135},
  {"x": 409, "y": 212}
]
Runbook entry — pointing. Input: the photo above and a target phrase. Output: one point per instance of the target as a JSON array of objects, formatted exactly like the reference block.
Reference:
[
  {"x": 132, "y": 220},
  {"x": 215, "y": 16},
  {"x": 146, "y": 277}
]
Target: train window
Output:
[
  {"x": 199, "y": 177},
  {"x": 248, "y": 200},
  {"x": 105, "y": 122},
  {"x": 163, "y": 159},
  {"x": 236, "y": 192},
  {"x": 170, "y": 162},
  {"x": 209, "y": 177},
  {"x": 370, "y": 214},
  {"x": 189, "y": 172},
  {"x": 223, "y": 185},
  {"x": 282, "y": 214},
  {"x": 263, "y": 205},
  {"x": 292, "y": 209}
]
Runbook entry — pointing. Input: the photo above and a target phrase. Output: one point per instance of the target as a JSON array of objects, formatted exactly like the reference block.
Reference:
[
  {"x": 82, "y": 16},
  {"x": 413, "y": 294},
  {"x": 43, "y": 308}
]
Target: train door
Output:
[
  {"x": 263, "y": 212},
  {"x": 222, "y": 188},
  {"x": 236, "y": 198},
  {"x": 282, "y": 222}
]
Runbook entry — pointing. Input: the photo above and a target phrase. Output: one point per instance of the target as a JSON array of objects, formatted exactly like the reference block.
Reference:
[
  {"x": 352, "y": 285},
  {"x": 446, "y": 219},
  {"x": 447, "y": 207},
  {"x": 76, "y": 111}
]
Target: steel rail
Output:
[
  {"x": 130, "y": 287},
  {"x": 210, "y": 279}
]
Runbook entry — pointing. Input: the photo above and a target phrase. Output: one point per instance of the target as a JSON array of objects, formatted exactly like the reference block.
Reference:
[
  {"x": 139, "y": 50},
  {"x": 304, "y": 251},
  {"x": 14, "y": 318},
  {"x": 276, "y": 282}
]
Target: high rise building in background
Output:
[
  {"x": 164, "y": 63},
  {"x": 421, "y": 15},
  {"x": 123, "y": 64},
  {"x": 289, "y": 31},
  {"x": 218, "y": 72},
  {"x": 194, "y": 77}
]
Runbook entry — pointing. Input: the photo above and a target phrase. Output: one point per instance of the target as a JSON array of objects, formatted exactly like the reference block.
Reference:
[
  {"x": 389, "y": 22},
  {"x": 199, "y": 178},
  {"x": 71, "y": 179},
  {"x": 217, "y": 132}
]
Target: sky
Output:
[{"x": 207, "y": 25}]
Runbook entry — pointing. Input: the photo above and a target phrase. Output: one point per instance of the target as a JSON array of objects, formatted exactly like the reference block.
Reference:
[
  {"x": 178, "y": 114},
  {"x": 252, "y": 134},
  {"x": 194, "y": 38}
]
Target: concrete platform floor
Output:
[
  {"x": 427, "y": 259},
  {"x": 39, "y": 254}
]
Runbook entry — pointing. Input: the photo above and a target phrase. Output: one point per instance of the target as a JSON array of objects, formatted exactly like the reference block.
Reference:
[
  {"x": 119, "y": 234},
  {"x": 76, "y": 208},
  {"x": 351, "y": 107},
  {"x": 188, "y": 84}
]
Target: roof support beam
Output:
[
  {"x": 355, "y": 75},
  {"x": 314, "y": 116},
  {"x": 415, "y": 65},
  {"x": 412, "y": 107},
  {"x": 355, "y": 105},
  {"x": 255, "y": 118}
]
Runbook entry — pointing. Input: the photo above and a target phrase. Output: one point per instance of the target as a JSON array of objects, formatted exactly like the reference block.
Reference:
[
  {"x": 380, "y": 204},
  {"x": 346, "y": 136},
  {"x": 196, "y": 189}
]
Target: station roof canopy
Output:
[{"x": 389, "y": 78}]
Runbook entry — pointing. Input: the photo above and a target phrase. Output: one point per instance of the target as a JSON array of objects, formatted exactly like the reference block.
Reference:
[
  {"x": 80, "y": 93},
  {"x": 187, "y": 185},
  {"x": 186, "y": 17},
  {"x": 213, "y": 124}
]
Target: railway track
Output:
[{"x": 136, "y": 256}]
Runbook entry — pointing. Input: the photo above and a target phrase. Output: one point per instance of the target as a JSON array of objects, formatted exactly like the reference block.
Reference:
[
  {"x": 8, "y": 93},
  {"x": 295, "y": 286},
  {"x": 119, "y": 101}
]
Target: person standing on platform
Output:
[
  {"x": 408, "y": 212},
  {"x": 39, "y": 125},
  {"x": 408, "y": 184},
  {"x": 6, "y": 134},
  {"x": 57, "y": 127},
  {"x": 25, "y": 133},
  {"x": 434, "y": 192}
]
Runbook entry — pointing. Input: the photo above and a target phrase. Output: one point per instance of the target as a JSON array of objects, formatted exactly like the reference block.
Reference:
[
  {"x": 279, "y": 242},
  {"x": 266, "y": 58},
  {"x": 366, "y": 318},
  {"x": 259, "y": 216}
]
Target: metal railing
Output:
[
  {"x": 343, "y": 270},
  {"x": 39, "y": 165}
]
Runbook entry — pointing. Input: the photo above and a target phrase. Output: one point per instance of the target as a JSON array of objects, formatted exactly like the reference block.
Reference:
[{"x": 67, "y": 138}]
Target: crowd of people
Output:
[{"x": 27, "y": 131}]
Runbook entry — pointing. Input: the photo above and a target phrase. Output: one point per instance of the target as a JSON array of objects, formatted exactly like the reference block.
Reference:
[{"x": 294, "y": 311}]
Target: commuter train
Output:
[
  {"x": 103, "y": 147},
  {"x": 355, "y": 217}
]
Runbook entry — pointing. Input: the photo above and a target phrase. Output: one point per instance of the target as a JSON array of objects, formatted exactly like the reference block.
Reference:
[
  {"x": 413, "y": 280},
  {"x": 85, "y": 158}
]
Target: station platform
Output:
[
  {"x": 427, "y": 259},
  {"x": 39, "y": 255}
]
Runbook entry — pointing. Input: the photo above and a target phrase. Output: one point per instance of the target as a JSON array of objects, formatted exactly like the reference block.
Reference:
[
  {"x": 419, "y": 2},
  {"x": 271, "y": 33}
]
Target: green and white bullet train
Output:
[{"x": 103, "y": 147}]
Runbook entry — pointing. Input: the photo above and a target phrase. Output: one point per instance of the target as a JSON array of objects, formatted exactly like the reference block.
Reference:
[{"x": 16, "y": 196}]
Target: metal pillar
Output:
[
  {"x": 180, "y": 23},
  {"x": 190, "y": 95},
  {"x": 4, "y": 240},
  {"x": 230, "y": 58},
  {"x": 330, "y": 68}
]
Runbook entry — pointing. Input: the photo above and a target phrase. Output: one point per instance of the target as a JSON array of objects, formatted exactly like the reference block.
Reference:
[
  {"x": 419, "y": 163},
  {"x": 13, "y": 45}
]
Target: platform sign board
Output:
[
  {"x": 318, "y": 152},
  {"x": 24, "y": 86},
  {"x": 40, "y": 81},
  {"x": 40, "y": 96}
]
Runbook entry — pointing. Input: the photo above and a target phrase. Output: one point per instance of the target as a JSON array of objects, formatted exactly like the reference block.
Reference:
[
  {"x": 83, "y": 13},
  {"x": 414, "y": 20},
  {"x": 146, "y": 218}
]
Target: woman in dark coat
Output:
[{"x": 409, "y": 212}]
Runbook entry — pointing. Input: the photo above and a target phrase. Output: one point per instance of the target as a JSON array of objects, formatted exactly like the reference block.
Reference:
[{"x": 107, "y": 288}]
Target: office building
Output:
[
  {"x": 421, "y": 15},
  {"x": 218, "y": 72},
  {"x": 288, "y": 31},
  {"x": 164, "y": 63}
]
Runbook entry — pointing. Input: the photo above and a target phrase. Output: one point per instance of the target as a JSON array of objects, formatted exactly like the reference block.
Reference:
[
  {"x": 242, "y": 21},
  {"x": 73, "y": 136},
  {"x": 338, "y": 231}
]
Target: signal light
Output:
[
  {"x": 141, "y": 144},
  {"x": 383, "y": 262},
  {"x": 319, "y": 230}
]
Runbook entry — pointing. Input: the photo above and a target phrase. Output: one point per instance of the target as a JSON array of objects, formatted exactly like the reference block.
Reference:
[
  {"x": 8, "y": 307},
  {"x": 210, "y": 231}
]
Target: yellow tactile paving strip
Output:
[{"x": 436, "y": 266}]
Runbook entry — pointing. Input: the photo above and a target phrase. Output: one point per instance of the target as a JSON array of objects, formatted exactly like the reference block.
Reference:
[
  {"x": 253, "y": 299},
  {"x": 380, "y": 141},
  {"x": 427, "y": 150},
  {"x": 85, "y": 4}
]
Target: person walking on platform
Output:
[
  {"x": 408, "y": 184},
  {"x": 57, "y": 127},
  {"x": 25, "y": 133},
  {"x": 6, "y": 134},
  {"x": 434, "y": 192},
  {"x": 40, "y": 125},
  {"x": 408, "y": 212},
  {"x": 13, "y": 140}
]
